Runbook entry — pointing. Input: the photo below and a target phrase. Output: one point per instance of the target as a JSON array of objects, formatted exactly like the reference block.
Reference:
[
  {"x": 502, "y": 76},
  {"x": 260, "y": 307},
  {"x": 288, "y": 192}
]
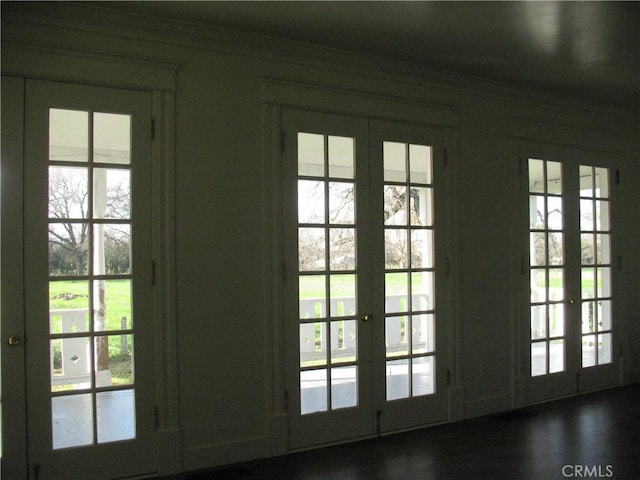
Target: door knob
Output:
[
  {"x": 366, "y": 317},
  {"x": 13, "y": 340}
]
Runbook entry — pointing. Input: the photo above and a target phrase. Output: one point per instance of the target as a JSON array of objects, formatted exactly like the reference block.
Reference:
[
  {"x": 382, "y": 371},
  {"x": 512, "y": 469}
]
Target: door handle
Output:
[
  {"x": 13, "y": 340},
  {"x": 366, "y": 317}
]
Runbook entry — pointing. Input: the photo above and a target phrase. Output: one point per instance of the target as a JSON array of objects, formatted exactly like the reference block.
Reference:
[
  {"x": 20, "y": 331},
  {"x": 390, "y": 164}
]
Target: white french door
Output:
[
  {"x": 88, "y": 292},
  {"x": 364, "y": 340},
  {"x": 571, "y": 306}
]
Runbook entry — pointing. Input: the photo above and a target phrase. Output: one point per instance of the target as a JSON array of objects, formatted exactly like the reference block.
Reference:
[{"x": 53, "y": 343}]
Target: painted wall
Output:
[{"x": 221, "y": 158}]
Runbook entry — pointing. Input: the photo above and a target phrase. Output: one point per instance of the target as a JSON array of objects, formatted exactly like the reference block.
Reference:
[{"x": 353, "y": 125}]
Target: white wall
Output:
[{"x": 224, "y": 230}]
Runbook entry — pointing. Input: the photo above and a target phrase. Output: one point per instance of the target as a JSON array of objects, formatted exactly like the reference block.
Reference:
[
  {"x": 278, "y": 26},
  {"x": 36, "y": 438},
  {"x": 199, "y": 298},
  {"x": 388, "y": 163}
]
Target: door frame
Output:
[
  {"x": 575, "y": 379},
  {"x": 395, "y": 418}
]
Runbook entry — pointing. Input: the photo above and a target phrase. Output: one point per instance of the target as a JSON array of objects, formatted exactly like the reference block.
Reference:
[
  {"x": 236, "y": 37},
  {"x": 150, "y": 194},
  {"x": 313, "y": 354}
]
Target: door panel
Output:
[
  {"x": 360, "y": 287},
  {"x": 88, "y": 282}
]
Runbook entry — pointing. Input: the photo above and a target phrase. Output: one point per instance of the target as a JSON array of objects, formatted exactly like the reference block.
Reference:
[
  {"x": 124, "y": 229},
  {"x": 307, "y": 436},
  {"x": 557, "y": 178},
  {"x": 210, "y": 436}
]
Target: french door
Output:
[
  {"x": 88, "y": 316},
  {"x": 365, "y": 341},
  {"x": 571, "y": 306}
]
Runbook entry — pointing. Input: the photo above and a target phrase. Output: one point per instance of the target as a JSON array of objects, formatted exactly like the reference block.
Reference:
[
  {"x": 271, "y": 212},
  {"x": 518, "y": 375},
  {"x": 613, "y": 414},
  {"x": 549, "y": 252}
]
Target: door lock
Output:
[
  {"x": 366, "y": 317},
  {"x": 13, "y": 340}
]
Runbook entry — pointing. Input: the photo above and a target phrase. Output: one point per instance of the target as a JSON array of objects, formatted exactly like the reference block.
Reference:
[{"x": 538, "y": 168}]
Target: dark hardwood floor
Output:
[{"x": 595, "y": 435}]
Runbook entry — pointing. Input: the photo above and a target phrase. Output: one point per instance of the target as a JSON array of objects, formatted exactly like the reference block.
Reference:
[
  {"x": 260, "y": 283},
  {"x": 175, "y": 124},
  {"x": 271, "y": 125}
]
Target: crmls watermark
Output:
[{"x": 587, "y": 471}]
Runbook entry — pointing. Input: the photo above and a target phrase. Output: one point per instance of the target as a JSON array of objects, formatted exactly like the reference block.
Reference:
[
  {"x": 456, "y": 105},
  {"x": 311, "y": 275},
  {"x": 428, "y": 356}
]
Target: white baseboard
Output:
[{"x": 214, "y": 455}]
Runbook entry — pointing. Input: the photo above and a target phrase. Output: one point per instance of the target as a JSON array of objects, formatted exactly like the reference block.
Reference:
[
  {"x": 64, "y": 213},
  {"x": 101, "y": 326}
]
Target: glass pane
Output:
[
  {"x": 341, "y": 157},
  {"x": 114, "y": 360},
  {"x": 602, "y": 215},
  {"x": 396, "y": 336},
  {"x": 538, "y": 256},
  {"x": 588, "y": 284},
  {"x": 116, "y": 415},
  {"x": 556, "y": 256},
  {"x": 556, "y": 319},
  {"x": 536, "y": 176},
  {"x": 68, "y": 135},
  {"x": 311, "y": 249},
  {"x": 604, "y": 282},
  {"x": 537, "y": 212},
  {"x": 396, "y": 287},
  {"x": 586, "y": 215},
  {"x": 112, "y": 305},
  {"x": 111, "y": 138},
  {"x": 586, "y": 181},
  {"x": 344, "y": 391},
  {"x": 538, "y": 321},
  {"x": 343, "y": 341},
  {"x": 556, "y": 284},
  {"x": 311, "y": 206},
  {"x": 395, "y": 205},
  {"x": 395, "y": 248},
  {"x": 69, "y": 306},
  {"x": 604, "y": 348},
  {"x": 341, "y": 203},
  {"x": 554, "y": 177},
  {"x": 603, "y": 248},
  {"x": 111, "y": 249},
  {"x": 538, "y": 286},
  {"x": 68, "y": 192},
  {"x": 556, "y": 356},
  {"x": 602, "y": 182},
  {"x": 554, "y": 211},
  {"x": 72, "y": 421},
  {"x": 312, "y": 344},
  {"x": 423, "y": 376},
  {"x": 422, "y": 334},
  {"x": 588, "y": 256},
  {"x": 397, "y": 373},
  {"x": 111, "y": 193},
  {"x": 343, "y": 295},
  {"x": 604, "y": 315},
  {"x": 420, "y": 164},
  {"x": 342, "y": 249},
  {"x": 313, "y": 391},
  {"x": 421, "y": 206},
  {"x": 395, "y": 161},
  {"x": 588, "y": 317},
  {"x": 588, "y": 350},
  {"x": 422, "y": 291},
  {"x": 68, "y": 249},
  {"x": 538, "y": 358},
  {"x": 310, "y": 154},
  {"x": 70, "y": 363},
  {"x": 313, "y": 297},
  {"x": 421, "y": 248}
]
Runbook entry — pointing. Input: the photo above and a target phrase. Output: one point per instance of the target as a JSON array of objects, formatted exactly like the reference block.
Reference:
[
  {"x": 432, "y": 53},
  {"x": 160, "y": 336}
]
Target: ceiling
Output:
[{"x": 589, "y": 50}]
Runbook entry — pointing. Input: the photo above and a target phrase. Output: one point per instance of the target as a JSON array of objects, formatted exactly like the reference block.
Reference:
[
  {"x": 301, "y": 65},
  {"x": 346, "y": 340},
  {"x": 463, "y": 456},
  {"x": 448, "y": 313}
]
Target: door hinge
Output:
[
  {"x": 447, "y": 267},
  {"x": 617, "y": 176},
  {"x": 153, "y": 128},
  {"x": 156, "y": 417},
  {"x": 446, "y": 157},
  {"x": 448, "y": 377},
  {"x": 282, "y": 142},
  {"x": 283, "y": 270},
  {"x": 286, "y": 400},
  {"x": 153, "y": 272},
  {"x": 619, "y": 262}
]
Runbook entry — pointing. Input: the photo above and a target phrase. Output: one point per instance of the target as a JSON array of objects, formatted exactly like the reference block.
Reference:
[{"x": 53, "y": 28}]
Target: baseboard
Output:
[
  {"x": 214, "y": 455},
  {"x": 489, "y": 405}
]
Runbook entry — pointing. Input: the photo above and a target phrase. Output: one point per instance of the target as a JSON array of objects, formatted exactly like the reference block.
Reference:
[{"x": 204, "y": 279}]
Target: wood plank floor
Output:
[{"x": 591, "y": 436}]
